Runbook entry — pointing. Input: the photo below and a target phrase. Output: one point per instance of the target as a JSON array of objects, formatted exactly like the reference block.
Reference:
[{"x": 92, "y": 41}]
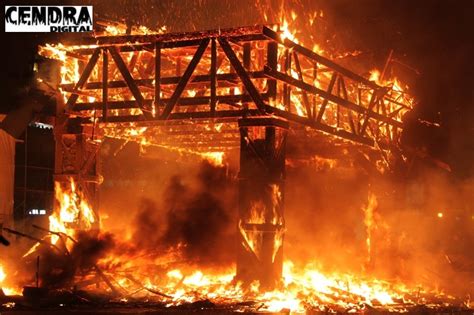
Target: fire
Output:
[
  {"x": 73, "y": 211},
  {"x": 375, "y": 76},
  {"x": 3, "y": 275},
  {"x": 215, "y": 158},
  {"x": 121, "y": 29},
  {"x": 3, "y": 283},
  {"x": 285, "y": 31},
  {"x": 303, "y": 288}
]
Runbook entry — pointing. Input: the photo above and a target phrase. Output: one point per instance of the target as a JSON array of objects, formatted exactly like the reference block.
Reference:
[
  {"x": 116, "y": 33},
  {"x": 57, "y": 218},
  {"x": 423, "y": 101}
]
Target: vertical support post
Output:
[
  {"x": 105, "y": 80},
  {"x": 261, "y": 224},
  {"x": 246, "y": 56},
  {"x": 286, "y": 86},
  {"x": 272, "y": 60},
  {"x": 315, "y": 80},
  {"x": 213, "y": 75},
  {"x": 246, "y": 62},
  {"x": 156, "y": 102}
]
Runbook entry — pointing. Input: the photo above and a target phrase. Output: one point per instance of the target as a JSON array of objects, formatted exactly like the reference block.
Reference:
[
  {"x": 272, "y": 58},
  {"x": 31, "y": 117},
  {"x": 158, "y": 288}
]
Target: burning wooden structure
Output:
[{"x": 209, "y": 92}]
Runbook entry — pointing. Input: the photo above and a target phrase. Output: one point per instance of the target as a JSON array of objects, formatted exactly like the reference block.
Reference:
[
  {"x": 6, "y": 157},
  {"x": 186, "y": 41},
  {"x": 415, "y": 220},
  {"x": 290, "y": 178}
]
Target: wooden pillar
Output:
[{"x": 261, "y": 195}]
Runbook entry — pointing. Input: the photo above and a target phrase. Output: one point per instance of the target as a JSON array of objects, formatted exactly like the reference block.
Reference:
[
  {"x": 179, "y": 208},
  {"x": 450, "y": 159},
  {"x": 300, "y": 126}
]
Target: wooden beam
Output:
[
  {"x": 183, "y": 101},
  {"x": 213, "y": 73},
  {"x": 156, "y": 102},
  {"x": 105, "y": 78}
]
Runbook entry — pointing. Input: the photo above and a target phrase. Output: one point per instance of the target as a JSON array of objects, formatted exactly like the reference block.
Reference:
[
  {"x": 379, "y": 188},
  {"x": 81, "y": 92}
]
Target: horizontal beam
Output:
[
  {"x": 141, "y": 46},
  {"x": 183, "y": 101},
  {"x": 146, "y": 42},
  {"x": 227, "y": 114},
  {"x": 235, "y": 33},
  {"x": 164, "y": 81},
  {"x": 181, "y": 132}
]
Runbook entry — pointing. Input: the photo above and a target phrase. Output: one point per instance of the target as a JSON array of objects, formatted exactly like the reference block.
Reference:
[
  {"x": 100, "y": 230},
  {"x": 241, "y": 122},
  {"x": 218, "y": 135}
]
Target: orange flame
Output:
[
  {"x": 73, "y": 211},
  {"x": 7, "y": 290},
  {"x": 369, "y": 221}
]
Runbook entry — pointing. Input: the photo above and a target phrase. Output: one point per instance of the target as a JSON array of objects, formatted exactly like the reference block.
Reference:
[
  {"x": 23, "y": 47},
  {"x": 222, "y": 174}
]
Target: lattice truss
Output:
[{"x": 171, "y": 88}]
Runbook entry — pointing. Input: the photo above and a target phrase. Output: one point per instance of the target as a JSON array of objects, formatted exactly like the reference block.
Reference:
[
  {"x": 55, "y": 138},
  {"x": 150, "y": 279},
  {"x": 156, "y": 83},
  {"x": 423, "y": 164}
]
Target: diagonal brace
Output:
[
  {"x": 83, "y": 79},
  {"x": 326, "y": 100},
  {"x": 249, "y": 86},
  {"x": 129, "y": 80},
  {"x": 185, "y": 79}
]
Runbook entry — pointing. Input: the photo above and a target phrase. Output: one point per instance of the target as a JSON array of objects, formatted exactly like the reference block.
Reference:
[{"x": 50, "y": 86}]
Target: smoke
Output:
[
  {"x": 195, "y": 216},
  {"x": 148, "y": 225},
  {"x": 171, "y": 207},
  {"x": 91, "y": 247},
  {"x": 203, "y": 225}
]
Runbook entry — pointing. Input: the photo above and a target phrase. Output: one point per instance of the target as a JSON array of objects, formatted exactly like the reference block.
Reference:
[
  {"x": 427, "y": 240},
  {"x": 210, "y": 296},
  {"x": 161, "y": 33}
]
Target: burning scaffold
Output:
[{"x": 128, "y": 83}]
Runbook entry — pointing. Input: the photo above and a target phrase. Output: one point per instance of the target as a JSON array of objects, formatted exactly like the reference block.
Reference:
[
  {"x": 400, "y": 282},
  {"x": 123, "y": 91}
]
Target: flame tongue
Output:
[
  {"x": 369, "y": 221},
  {"x": 4, "y": 284},
  {"x": 73, "y": 212}
]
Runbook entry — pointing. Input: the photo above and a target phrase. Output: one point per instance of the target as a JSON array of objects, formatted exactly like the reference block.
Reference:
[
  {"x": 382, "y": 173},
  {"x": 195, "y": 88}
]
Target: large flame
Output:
[
  {"x": 303, "y": 288},
  {"x": 73, "y": 211}
]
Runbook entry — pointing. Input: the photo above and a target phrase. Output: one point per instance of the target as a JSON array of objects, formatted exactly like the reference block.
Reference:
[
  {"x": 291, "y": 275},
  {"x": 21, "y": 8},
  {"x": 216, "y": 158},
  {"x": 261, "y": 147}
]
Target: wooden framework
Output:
[{"x": 224, "y": 75}]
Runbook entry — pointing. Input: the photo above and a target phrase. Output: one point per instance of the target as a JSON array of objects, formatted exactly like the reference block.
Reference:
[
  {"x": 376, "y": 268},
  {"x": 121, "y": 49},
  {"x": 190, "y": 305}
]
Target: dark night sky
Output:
[{"x": 432, "y": 36}]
